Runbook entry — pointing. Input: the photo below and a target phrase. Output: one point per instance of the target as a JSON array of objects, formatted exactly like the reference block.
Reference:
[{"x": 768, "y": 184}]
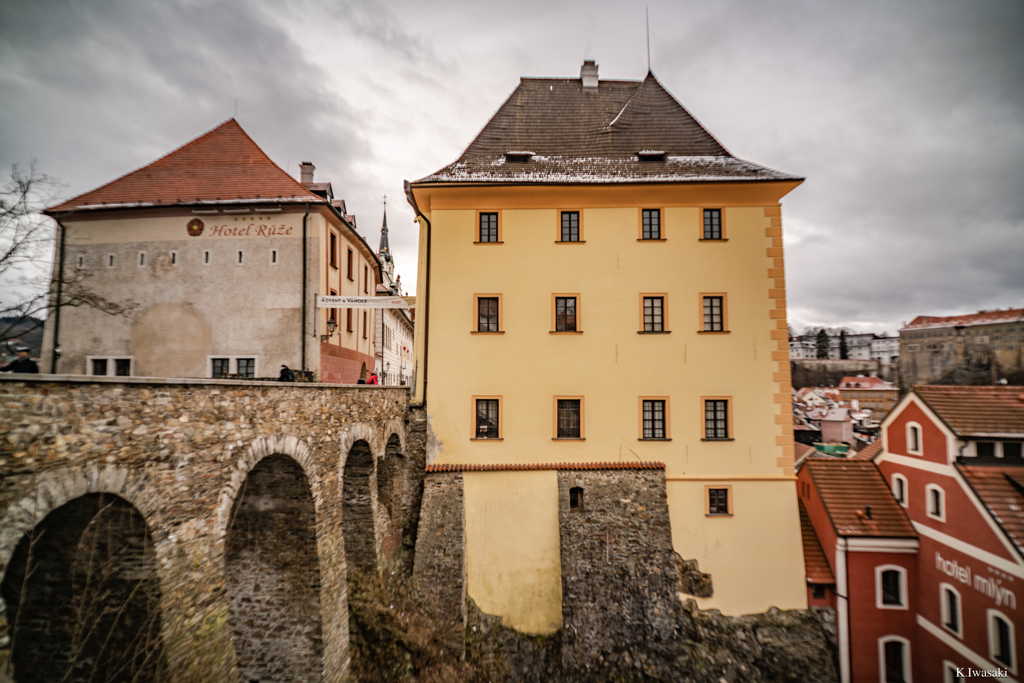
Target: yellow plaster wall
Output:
[
  {"x": 512, "y": 548},
  {"x": 750, "y": 553}
]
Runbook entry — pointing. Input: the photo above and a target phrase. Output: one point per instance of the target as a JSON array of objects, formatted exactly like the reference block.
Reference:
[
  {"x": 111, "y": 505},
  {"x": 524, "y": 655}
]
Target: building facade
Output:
[
  {"x": 946, "y": 480},
  {"x": 394, "y": 325},
  {"x": 869, "y": 392},
  {"x": 988, "y": 344},
  {"x": 609, "y": 286},
  {"x": 220, "y": 254}
]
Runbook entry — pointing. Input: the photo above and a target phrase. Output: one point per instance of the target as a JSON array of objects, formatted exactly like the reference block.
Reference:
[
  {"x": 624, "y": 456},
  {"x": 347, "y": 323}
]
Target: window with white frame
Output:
[
  {"x": 935, "y": 500},
  {"x": 273, "y": 257},
  {"x": 206, "y": 257},
  {"x": 1002, "y": 642},
  {"x": 142, "y": 259},
  {"x": 111, "y": 260},
  {"x": 952, "y": 615},
  {"x": 240, "y": 259},
  {"x": 80, "y": 261},
  {"x": 109, "y": 366},
  {"x": 894, "y": 659},
  {"x": 890, "y": 587},
  {"x": 950, "y": 672},
  {"x": 899, "y": 489},
  {"x": 232, "y": 367},
  {"x": 913, "y": 438},
  {"x": 174, "y": 258}
]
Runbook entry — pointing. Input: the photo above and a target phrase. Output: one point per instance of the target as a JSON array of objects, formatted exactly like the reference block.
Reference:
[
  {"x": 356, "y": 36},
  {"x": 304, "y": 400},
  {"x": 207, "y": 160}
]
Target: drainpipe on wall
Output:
[
  {"x": 425, "y": 306},
  {"x": 303, "y": 324},
  {"x": 842, "y": 611},
  {"x": 55, "y": 352}
]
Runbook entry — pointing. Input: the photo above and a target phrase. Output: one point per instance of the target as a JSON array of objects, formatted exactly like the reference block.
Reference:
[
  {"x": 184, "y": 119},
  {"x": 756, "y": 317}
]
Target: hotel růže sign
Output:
[{"x": 246, "y": 228}]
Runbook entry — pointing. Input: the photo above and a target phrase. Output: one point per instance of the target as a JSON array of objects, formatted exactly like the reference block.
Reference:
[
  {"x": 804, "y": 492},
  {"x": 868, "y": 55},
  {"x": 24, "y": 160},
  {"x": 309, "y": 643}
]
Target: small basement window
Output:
[
  {"x": 576, "y": 498},
  {"x": 651, "y": 155},
  {"x": 518, "y": 155}
]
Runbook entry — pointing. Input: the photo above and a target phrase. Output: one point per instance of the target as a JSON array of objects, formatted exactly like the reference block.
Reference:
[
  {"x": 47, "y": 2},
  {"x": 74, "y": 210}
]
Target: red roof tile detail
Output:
[
  {"x": 868, "y": 452},
  {"x": 512, "y": 467},
  {"x": 223, "y": 165},
  {"x": 978, "y": 412},
  {"x": 802, "y": 450},
  {"x": 922, "y": 322},
  {"x": 866, "y": 383},
  {"x": 815, "y": 564},
  {"x": 847, "y": 487},
  {"x": 1001, "y": 489}
]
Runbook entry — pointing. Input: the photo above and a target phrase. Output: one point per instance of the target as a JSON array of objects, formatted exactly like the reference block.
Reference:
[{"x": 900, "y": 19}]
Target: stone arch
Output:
[
  {"x": 81, "y": 591},
  {"x": 279, "y": 444},
  {"x": 358, "y": 431},
  {"x": 272, "y": 570},
  {"x": 358, "y": 521}
]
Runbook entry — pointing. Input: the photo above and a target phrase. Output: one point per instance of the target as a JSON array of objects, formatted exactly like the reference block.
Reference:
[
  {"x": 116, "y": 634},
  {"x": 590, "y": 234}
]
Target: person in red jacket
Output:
[{"x": 373, "y": 378}]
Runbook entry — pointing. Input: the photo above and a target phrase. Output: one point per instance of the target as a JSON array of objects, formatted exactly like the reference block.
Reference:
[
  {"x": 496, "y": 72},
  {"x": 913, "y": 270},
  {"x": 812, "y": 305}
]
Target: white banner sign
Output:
[{"x": 361, "y": 302}]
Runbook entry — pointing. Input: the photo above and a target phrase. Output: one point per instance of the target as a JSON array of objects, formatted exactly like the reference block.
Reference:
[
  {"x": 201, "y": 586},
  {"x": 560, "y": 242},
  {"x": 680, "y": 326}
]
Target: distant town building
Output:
[
  {"x": 224, "y": 254},
  {"x": 886, "y": 350},
  {"x": 869, "y": 392},
  {"x": 858, "y": 347},
  {"x": 933, "y": 347},
  {"x": 394, "y": 325}
]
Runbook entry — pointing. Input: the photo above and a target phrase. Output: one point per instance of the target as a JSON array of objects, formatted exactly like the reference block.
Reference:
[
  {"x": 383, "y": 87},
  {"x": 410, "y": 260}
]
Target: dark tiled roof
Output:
[
  {"x": 1001, "y": 489},
  {"x": 868, "y": 452},
  {"x": 847, "y": 487},
  {"x": 594, "y": 136},
  {"x": 222, "y": 166},
  {"x": 978, "y": 412},
  {"x": 815, "y": 565},
  {"x": 548, "y": 466}
]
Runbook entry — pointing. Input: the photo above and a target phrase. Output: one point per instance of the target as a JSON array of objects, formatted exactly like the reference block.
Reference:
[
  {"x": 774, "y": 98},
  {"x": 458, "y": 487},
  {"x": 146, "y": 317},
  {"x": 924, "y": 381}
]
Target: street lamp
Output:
[{"x": 331, "y": 327}]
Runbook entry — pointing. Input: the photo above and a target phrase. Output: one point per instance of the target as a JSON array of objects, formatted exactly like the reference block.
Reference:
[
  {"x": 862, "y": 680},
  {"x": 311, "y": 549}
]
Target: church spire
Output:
[{"x": 384, "y": 251}]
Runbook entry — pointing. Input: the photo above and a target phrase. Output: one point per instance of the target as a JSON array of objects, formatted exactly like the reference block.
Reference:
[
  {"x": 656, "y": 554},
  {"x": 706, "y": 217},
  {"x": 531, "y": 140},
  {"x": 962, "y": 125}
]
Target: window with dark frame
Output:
[
  {"x": 487, "y": 418},
  {"x": 364, "y": 325},
  {"x": 123, "y": 367},
  {"x": 487, "y": 314},
  {"x": 818, "y": 591},
  {"x": 333, "y": 251},
  {"x": 901, "y": 491},
  {"x": 568, "y": 418},
  {"x": 654, "y": 419},
  {"x": 348, "y": 319},
  {"x": 986, "y": 449},
  {"x": 894, "y": 656},
  {"x": 1011, "y": 449},
  {"x": 565, "y": 314},
  {"x": 332, "y": 313},
  {"x": 713, "y": 314},
  {"x": 247, "y": 367},
  {"x": 488, "y": 227},
  {"x": 952, "y": 611},
  {"x": 651, "y": 224},
  {"x": 716, "y": 419},
  {"x": 936, "y": 499},
  {"x": 654, "y": 319},
  {"x": 349, "y": 268},
  {"x": 366, "y": 279},
  {"x": 712, "y": 224},
  {"x": 576, "y": 498},
  {"x": 570, "y": 226},
  {"x": 1004, "y": 650},
  {"x": 891, "y": 593},
  {"x": 718, "y": 501},
  {"x": 221, "y": 367},
  {"x": 915, "y": 439},
  {"x": 99, "y": 367}
]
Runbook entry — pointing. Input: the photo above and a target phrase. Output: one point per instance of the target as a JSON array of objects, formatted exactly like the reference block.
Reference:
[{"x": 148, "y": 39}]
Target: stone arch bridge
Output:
[{"x": 200, "y": 526}]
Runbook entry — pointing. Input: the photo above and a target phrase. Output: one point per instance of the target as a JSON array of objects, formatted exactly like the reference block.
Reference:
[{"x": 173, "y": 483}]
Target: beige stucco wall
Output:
[
  {"x": 512, "y": 549},
  {"x": 612, "y": 366}
]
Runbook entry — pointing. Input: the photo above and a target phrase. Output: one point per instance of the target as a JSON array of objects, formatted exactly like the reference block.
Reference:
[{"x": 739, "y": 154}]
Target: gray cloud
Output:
[{"x": 907, "y": 118}]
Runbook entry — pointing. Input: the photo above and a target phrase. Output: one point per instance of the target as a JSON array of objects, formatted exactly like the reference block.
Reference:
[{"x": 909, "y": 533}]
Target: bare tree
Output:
[{"x": 27, "y": 241}]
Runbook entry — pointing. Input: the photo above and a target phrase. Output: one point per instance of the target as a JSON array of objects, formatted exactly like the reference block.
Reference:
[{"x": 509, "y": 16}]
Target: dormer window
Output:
[
  {"x": 518, "y": 156},
  {"x": 651, "y": 155}
]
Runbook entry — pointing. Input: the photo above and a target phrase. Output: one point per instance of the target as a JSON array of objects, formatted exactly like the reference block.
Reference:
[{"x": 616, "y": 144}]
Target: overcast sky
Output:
[{"x": 907, "y": 118}]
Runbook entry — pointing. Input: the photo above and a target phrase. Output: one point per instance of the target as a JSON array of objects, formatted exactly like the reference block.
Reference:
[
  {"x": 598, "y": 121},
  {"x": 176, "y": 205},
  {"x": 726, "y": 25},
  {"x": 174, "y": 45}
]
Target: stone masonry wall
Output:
[{"x": 180, "y": 453}]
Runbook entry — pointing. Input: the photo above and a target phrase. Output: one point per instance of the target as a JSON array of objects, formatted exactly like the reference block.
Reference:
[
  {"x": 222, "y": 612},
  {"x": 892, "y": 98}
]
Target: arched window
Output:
[
  {"x": 1002, "y": 642},
  {"x": 914, "y": 446},
  {"x": 890, "y": 587},
  {"x": 899, "y": 489},
  {"x": 894, "y": 659},
  {"x": 576, "y": 498},
  {"x": 935, "y": 500},
  {"x": 952, "y": 616}
]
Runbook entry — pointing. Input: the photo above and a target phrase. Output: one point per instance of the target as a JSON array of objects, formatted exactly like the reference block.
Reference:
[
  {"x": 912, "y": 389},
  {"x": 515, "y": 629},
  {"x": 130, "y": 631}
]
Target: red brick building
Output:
[{"x": 926, "y": 540}]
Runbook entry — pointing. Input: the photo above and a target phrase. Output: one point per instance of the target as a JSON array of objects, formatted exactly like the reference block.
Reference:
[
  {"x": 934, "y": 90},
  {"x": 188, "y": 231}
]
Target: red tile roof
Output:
[
  {"x": 802, "y": 450},
  {"x": 815, "y": 565},
  {"x": 506, "y": 467},
  {"x": 1001, "y": 490},
  {"x": 847, "y": 487},
  {"x": 978, "y": 412},
  {"x": 866, "y": 383},
  {"x": 221, "y": 166},
  {"x": 868, "y": 452},
  {"x": 1010, "y": 315}
]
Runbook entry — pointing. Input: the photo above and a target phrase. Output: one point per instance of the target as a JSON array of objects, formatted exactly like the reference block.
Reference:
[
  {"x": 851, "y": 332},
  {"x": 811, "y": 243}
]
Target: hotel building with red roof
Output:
[{"x": 223, "y": 254}]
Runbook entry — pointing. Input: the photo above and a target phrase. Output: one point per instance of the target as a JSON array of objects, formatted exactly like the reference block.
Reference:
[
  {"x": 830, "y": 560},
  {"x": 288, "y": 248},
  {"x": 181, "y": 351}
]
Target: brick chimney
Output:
[
  {"x": 588, "y": 72},
  {"x": 306, "y": 169}
]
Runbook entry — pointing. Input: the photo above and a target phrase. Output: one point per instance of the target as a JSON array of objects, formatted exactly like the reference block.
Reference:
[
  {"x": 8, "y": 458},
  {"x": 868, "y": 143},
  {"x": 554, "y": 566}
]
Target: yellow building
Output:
[{"x": 601, "y": 281}]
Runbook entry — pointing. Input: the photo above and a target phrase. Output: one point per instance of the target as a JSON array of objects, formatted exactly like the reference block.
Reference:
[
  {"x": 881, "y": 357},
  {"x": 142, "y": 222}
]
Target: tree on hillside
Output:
[
  {"x": 821, "y": 341},
  {"x": 27, "y": 241},
  {"x": 844, "y": 350}
]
